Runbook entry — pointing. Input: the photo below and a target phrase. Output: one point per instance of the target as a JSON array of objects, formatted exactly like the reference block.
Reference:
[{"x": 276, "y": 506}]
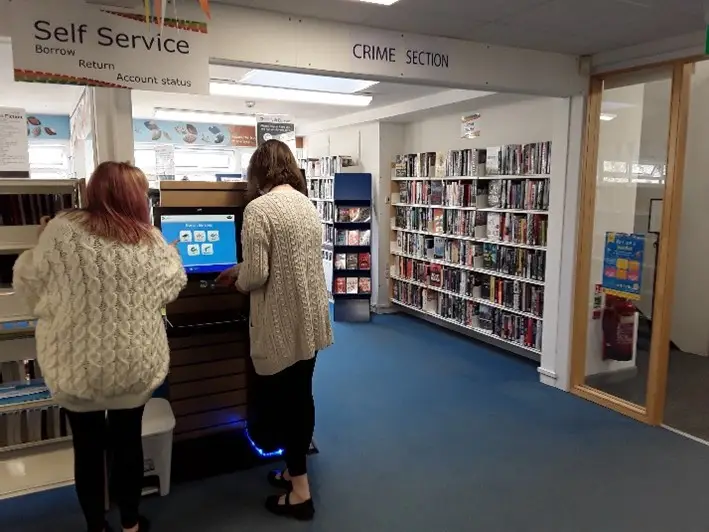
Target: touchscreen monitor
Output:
[{"x": 207, "y": 242}]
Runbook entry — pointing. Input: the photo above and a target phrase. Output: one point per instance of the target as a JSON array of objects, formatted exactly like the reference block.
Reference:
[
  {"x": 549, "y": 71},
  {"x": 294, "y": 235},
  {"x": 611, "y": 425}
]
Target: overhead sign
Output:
[
  {"x": 78, "y": 44},
  {"x": 311, "y": 45},
  {"x": 14, "y": 151}
]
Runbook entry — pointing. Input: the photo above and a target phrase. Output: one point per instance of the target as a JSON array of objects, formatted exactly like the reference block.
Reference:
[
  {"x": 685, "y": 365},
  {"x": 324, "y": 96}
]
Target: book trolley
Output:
[
  {"x": 468, "y": 245},
  {"x": 352, "y": 284},
  {"x": 33, "y": 429}
]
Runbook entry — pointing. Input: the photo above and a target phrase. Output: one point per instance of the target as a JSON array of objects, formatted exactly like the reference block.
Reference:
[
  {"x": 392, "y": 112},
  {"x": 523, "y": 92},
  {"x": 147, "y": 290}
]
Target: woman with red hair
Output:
[{"x": 97, "y": 281}]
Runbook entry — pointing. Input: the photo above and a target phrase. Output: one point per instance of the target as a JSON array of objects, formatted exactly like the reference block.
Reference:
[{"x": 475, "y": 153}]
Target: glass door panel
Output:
[{"x": 629, "y": 193}]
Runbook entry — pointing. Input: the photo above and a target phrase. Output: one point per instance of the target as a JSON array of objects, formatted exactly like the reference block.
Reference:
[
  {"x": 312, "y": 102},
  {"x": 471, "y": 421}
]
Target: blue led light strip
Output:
[{"x": 259, "y": 451}]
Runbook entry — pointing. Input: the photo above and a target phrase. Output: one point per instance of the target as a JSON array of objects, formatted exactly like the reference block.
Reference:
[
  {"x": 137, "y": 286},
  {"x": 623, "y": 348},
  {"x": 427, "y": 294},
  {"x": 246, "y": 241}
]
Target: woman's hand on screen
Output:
[{"x": 228, "y": 277}]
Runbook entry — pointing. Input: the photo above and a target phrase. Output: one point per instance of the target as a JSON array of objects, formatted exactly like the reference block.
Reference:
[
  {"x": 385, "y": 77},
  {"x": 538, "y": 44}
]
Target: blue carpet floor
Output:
[{"x": 421, "y": 430}]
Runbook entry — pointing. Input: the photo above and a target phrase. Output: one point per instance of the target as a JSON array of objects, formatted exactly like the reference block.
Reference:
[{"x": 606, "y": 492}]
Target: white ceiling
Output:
[
  {"x": 61, "y": 99},
  {"x": 566, "y": 26}
]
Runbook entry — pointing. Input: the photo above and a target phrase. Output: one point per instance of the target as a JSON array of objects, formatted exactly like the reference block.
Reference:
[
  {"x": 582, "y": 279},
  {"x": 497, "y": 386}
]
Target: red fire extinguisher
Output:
[{"x": 618, "y": 328}]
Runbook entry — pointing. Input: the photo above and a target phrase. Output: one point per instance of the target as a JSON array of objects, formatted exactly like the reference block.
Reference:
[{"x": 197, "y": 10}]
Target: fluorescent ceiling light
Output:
[
  {"x": 186, "y": 115},
  {"x": 226, "y": 88},
  {"x": 607, "y": 117},
  {"x": 381, "y": 2},
  {"x": 292, "y": 80}
]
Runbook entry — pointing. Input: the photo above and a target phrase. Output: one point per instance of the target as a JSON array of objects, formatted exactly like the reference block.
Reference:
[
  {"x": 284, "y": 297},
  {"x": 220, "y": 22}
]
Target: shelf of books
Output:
[
  {"x": 352, "y": 279},
  {"x": 469, "y": 236},
  {"x": 320, "y": 177},
  {"x": 35, "y": 438}
]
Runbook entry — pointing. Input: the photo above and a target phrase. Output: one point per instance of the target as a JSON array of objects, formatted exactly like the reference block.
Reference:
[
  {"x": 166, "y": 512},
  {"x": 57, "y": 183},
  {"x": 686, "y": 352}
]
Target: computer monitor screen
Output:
[{"x": 207, "y": 242}]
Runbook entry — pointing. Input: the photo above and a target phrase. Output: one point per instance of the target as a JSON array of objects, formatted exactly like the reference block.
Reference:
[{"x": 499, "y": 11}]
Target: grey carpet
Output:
[
  {"x": 425, "y": 431},
  {"x": 687, "y": 403}
]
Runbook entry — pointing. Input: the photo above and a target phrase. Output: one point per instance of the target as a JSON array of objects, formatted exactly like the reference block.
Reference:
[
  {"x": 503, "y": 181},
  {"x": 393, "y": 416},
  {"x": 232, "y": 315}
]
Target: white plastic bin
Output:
[{"x": 158, "y": 426}]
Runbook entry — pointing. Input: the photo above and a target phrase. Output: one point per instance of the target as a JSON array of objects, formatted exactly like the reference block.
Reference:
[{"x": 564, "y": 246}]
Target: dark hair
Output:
[
  {"x": 117, "y": 204},
  {"x": 271, "y": 165}
]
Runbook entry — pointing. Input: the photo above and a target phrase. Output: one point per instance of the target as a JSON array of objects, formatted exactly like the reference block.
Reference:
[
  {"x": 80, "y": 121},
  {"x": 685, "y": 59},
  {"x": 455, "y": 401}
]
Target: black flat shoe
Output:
[
  {"x": 304, "y": 511},
  {"x": 275, "y": 479}
]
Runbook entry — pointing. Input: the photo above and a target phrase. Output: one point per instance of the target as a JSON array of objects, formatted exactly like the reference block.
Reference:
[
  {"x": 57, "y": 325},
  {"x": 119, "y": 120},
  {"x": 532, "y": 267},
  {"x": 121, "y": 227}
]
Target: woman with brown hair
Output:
[
  {"x": 290, "y": 320},
  {"x": 97, "y": 281}
]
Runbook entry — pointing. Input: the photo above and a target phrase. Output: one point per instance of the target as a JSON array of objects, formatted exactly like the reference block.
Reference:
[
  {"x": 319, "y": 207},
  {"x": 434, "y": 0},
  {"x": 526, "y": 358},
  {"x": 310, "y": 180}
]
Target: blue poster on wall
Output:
[
  {"x": 623, "y": 264},
  {"x": 193, "y": 134},
  {"x": 48, "y": 127}
]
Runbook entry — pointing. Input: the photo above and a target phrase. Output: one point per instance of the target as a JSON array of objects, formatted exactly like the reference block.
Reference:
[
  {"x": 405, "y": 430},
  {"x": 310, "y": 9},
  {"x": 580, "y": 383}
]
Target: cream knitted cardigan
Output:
[
  {"x": 283, "y": 271},
  {"x": 101, "y": 341}
]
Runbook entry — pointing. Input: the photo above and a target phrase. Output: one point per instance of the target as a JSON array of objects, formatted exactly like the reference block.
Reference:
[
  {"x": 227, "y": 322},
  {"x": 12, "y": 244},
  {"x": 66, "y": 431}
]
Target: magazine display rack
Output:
[
  {"x": 352, "y": 282},
  {"x": 33, "y": 430},
  {"x": 468, "y": 245}
]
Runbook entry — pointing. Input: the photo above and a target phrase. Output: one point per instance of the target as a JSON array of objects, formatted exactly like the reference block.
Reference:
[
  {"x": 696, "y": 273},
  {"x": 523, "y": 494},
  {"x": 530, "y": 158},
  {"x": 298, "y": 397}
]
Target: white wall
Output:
[
  {"x": 690, "y": 313},
  {"x": 392, "y": 143},
  {"x": 527, "y": 120}
]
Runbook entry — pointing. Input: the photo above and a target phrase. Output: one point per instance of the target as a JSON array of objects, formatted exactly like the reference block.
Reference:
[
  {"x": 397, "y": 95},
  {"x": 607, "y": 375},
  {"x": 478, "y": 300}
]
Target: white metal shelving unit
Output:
[
  {"x": 30, "y": 464},
  {"x": 320, "y": 179},
  {"x": 466, "y": 324}
]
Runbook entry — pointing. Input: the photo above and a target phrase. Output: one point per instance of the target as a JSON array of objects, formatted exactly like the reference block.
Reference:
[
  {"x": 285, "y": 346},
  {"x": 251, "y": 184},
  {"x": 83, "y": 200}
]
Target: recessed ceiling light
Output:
[
  {"x": 227, "y": 88},
  {"x": 380, "y": 2},
  {"x": 187, "y": 115},
  {"x": 607, "y": 117}
]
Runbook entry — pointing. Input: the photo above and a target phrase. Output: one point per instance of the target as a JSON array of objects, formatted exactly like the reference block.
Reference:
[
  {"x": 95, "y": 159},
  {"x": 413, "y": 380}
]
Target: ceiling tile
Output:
[
  {"x": 565, "y": 26},
  {"x": 471, "y": 12},
  {"x": 605, "y": 24},
  {"x": 537, "y": 39}
]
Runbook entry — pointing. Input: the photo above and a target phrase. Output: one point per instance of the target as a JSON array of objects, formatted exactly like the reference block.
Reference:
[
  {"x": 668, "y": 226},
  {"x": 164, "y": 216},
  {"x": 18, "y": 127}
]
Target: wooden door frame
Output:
[{"x": 652, "y": 412}]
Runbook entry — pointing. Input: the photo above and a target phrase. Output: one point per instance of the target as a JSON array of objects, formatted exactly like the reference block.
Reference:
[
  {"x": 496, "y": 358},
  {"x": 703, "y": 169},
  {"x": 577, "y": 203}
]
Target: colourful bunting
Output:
[{"x": 157, "y": 8}]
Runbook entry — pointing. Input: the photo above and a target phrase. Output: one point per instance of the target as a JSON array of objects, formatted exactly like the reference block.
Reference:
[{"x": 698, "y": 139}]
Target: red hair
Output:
[{"x": 117, "y": 204}]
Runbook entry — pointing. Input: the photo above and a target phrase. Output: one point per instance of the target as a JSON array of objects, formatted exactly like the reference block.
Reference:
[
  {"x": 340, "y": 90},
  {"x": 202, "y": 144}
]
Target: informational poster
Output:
[
  {"x": 193, "y": 133},
  {"x": 470, "y": 126},
  {"x": 75, "y": 43},
  {"x": 597, "y": 301},
  {"x": 165, "y": 162},
  {"x": 14, "y": 150},
  {"x": 275, "y": 127},
  {"x": 48, "y": 127},
  {"x": 623, "y": 264}
]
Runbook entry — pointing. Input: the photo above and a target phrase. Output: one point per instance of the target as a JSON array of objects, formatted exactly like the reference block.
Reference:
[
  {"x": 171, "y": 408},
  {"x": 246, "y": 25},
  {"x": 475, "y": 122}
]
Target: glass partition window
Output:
[
  {"x": 49, "y": 161},
  {"x": 195, "y": 164},
  {"x": 630, "y": 187}
]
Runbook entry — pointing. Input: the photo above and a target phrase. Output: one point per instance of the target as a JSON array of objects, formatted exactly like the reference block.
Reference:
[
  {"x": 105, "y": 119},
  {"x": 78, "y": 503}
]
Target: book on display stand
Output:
[
  {"x": 352, "y": 264},
  {"x": 469, "y": 236}
]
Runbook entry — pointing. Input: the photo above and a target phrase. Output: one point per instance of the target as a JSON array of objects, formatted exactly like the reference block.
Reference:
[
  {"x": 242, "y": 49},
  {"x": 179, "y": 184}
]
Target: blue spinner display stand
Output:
[{"x": 352, "y": 190}]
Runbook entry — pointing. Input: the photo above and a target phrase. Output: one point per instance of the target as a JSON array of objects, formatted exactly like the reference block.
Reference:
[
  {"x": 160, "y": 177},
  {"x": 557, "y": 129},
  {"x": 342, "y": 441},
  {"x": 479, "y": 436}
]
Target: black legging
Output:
[
  {"x": 118, "y": 433},
  {"x": 288, "y": 399}
]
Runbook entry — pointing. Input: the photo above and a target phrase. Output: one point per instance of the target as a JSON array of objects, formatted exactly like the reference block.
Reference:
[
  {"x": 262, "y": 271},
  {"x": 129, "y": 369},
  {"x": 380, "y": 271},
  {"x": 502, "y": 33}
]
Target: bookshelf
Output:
[
  {"x": 320, "y": 178},
  {"x": 469, "y": 241},
  {"x": 34, "y": 433},
  {"x": 352, "y": 273}
]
